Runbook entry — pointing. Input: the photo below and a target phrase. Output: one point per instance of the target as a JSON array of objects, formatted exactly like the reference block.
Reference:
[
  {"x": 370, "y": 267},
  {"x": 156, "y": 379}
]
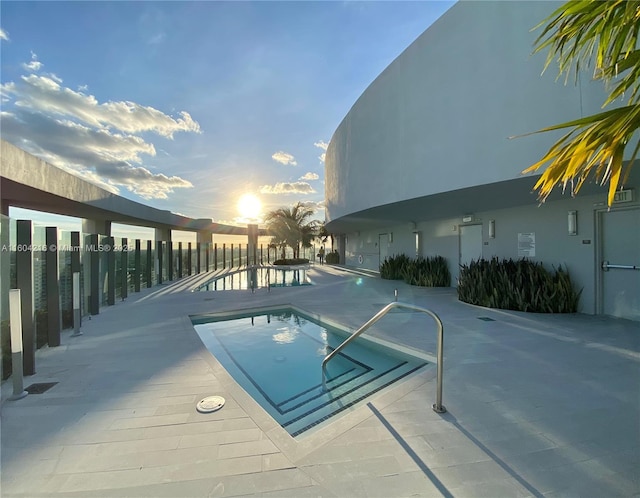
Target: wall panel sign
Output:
[
  {"x": 623, "y": 196},
  {"x": 526, "y": 245}
]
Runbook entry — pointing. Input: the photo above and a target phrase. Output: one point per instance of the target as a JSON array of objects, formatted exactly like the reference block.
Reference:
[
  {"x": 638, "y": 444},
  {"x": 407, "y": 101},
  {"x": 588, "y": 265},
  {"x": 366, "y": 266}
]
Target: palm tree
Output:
[
  {"x": 291, "y": 227},
  {"x": 324, "y": 234},
  {"x": 603, "y": 34}
]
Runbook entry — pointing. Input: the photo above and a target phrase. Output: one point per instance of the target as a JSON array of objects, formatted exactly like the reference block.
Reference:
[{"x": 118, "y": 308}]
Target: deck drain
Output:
[
  {"x": 40, "y": 387},
  {"x": 210, "y": 404},
  {"x": 486, "y": 319}
]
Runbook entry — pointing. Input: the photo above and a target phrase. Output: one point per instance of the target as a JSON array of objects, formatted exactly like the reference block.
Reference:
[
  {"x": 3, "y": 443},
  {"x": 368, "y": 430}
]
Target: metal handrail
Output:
[{"x": 437, "y": 407}]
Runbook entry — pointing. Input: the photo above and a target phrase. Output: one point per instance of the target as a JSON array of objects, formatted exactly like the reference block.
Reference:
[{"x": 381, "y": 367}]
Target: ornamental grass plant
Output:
[{"x": 521, "y": 285}]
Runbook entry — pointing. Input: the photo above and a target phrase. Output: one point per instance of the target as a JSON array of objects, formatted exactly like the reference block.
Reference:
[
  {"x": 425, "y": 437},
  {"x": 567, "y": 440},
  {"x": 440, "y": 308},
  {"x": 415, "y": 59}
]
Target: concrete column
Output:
[
  {"x": 203, "y": 240},
  {"x": 54, "y": 318},
  {"x": 102, "y": 227},
  {"x": 24, "y": 279},
  {"x": 162, "y": 234},
  {"x": 179, "y": 259},
  {"x": 203, "y": 236}
]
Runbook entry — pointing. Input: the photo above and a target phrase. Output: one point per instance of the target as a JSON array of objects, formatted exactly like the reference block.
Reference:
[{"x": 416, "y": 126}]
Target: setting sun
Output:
[{"x": 249, "y": 206}]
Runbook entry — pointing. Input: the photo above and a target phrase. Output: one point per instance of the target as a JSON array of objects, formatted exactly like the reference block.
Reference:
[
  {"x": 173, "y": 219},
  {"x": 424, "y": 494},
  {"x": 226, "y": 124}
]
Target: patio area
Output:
[{"x": 537, "y": 405}]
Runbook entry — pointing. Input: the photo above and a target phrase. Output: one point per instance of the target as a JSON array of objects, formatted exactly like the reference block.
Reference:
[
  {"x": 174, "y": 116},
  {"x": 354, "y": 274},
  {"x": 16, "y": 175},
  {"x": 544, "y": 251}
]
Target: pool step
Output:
[{"x": 317, "y": 409}]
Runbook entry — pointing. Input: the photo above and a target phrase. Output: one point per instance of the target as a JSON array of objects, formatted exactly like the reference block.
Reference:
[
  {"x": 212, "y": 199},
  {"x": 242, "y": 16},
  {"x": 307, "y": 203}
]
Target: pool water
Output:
[
  {"x": 258, "y": 278},
  {"x": 276, "y": 357}
]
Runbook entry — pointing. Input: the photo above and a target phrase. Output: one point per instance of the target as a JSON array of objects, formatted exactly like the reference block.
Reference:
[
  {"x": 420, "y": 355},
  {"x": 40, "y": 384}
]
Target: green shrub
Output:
[
  {"x": 427, "y": 272},
  {"x": 332, "y": 258},
  {"x": 391, "y": 268},
  {"x": 517, "y": 285}
]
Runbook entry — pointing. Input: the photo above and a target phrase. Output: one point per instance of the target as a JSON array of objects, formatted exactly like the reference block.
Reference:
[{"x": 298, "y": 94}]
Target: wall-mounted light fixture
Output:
[
  {"x": 390, "y": 237},
  {"x": 572, "y": 223},
  {"x": 492, "y": 229}
]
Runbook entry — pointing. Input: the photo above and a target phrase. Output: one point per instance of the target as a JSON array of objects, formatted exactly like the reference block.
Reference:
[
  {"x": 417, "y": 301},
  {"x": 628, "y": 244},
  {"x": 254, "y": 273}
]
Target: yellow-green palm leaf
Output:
[{"x": 579, "y": 34}]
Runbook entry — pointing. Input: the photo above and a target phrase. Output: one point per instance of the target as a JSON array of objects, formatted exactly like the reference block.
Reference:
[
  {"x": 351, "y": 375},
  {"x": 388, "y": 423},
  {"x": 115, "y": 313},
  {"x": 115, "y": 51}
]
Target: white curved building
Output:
[{"x": 423, "y": 164}]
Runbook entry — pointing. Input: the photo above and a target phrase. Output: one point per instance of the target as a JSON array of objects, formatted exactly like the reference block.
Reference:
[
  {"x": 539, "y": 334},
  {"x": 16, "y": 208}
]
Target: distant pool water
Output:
[
  {"x": 276, "y": 357},
  {"x": 258, "y": 278}
]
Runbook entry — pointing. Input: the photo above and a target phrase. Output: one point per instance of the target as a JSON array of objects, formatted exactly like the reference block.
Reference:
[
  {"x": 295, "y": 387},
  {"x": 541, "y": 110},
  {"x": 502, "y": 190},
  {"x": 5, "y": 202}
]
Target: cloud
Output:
[
  {"x": 288, "y": 188},
  {"x": 321, "y": 144},
  {"x": 99, "y": 156},
  {"x": 46, "y": 94},
  {"x": 96, "y": 141},
  {"x": 284, "y": 158},
  {"x": 34, "y": 64},
  {"x": 309, "y": 176},
  {"x": 316, "y": 206},
  {"x": 4, "y": 35}
]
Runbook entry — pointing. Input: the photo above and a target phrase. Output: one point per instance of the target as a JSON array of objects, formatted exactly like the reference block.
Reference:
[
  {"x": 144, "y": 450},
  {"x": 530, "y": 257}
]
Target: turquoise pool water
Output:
[
  {"x": 276, "y": 357},
  {"x": 259, "y": 277}
]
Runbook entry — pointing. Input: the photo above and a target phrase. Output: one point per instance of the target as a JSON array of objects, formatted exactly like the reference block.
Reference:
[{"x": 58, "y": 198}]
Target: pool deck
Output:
[{"x": 537, "y": 405}]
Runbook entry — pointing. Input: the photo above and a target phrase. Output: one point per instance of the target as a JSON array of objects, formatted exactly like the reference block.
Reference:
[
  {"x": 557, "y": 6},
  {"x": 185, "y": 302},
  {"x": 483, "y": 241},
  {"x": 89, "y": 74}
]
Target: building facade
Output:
[{"x": 429, "y": 160}]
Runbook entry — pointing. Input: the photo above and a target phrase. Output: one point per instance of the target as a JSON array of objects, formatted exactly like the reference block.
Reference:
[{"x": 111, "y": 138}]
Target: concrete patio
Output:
[{"x": 537, "y": 405}]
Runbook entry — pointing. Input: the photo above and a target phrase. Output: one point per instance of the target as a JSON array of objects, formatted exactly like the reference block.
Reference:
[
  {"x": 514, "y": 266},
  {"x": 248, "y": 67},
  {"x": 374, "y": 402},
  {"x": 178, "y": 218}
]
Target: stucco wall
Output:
[
  {"x": 549, "y": 222},
  {"x": 439, "y": 117}
]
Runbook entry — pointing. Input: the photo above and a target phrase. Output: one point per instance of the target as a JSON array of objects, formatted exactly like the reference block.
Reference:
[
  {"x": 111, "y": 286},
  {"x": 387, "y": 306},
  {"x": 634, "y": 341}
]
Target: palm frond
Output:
[
  {"x": 579, "y": 34},
  {"x": 594, "y": 148}
]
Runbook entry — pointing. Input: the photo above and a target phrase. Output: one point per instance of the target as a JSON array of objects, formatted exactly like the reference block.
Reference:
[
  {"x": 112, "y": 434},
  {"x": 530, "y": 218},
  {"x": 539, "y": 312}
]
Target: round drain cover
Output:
[{"x": 210, "y": 404}]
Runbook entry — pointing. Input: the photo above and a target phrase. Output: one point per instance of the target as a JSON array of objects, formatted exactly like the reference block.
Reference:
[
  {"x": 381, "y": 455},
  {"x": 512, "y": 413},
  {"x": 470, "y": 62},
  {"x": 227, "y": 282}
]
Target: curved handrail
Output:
[{"x": 437, "y": 407}]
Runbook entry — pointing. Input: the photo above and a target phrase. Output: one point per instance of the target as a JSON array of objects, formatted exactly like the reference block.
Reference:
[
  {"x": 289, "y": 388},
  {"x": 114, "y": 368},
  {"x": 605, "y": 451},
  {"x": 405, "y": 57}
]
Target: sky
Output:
[{"x": 187, "y": 106}]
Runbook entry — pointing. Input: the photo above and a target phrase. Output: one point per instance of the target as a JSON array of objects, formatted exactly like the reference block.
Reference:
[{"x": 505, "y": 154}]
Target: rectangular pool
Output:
[
  {"x": 276, "y": 357},
  {"x": 258, "y": 278}
]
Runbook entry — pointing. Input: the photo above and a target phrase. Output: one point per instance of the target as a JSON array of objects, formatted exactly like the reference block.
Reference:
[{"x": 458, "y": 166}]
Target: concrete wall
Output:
[{"x": 439, "y": 117}]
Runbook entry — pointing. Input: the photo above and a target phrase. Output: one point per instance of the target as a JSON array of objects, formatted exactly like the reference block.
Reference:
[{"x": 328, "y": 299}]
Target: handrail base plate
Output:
[{"x": 439, "y": 409}]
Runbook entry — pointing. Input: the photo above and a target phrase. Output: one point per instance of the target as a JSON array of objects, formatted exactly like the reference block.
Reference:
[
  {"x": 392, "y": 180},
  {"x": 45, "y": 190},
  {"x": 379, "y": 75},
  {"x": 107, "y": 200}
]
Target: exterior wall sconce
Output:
[
  {"x": 572, "y": 223},
  {"x": 492, "y": 229}
]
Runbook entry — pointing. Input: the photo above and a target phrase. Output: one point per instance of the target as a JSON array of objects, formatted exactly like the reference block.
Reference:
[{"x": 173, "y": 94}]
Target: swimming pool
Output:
[
  {"x": 276, "y": 357},
  {"x": 258, "y": 278}
]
